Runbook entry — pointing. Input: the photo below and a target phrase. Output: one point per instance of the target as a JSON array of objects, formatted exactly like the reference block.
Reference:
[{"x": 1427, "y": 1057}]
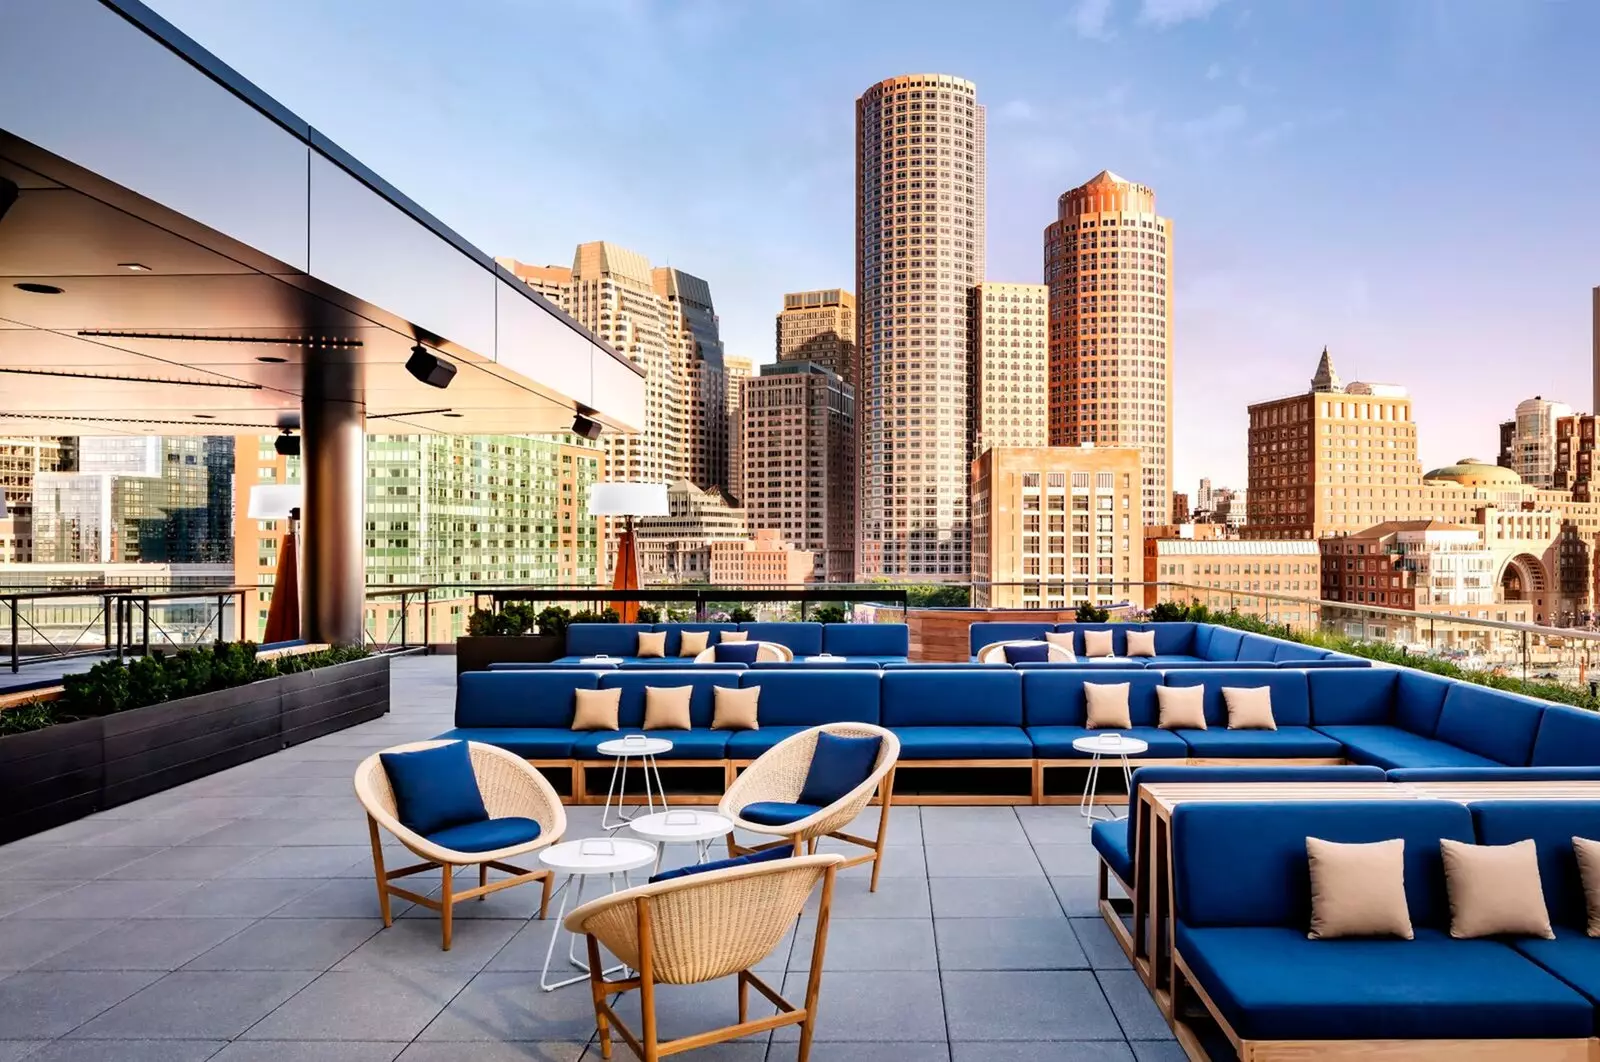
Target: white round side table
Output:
[
  {"x": 611, "y": 856},
  {"x": 645, "y": 749},
  {"x": 698, "y": 828},
  {"x": 1101, "y": 745}
]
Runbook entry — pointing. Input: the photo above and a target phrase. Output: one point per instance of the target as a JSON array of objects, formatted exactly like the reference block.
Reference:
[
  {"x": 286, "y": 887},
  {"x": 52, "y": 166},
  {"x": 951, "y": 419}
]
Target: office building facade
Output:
[
  {"x": 1528, "y": 440},
  {"x": 22, "y": 458},
  {"x": 766, "y": 558},
  {"x": 738, "y": 370},
  {"x": 1225, "y": 573},
  {"x": 1011, "y": 365},
  {"x": 820, "y": 327}
]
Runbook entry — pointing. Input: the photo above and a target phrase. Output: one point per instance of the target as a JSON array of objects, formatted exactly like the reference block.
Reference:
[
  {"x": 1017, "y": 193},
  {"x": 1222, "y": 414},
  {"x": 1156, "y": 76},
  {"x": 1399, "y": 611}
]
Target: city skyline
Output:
[{"x": 1387, "y": 185}]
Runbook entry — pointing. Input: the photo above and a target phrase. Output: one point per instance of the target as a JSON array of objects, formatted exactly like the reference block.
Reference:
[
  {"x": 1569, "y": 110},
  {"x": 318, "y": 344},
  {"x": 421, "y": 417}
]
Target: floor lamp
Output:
[
  {"x": 627, "y": 500},
  {"x": 280, "y": 501}
]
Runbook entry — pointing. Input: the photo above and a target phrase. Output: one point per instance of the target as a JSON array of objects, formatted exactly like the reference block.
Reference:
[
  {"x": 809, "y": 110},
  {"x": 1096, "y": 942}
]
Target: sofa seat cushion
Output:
[
  {"x": 531, "y": 743},
  {"x": 1284, "y": 743},
  {"x": 686, "y": 744},
  {"x": 770, "y": 855},
  {"x": 489, "y": 835},
  {"x": 1110, "y": 840},
  {"x": 1390, "y": 747},
  {"x": 589, "y": 661},
  {"x": 963, "y": 743},
  {"x": 748, "y": 744},
  {"x": 1567, "y": 737},
  {"x": 1193, "y": 664},
  {"x": 776, "y": 812},
  {"x": 1271, "y": 983},
  {"x": 1573, "y": 956},
  {"x": 1055, "y": 742}
]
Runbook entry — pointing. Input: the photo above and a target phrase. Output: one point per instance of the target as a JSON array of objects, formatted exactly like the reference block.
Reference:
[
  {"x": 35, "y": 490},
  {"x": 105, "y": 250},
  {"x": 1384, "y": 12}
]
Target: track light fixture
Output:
[
  {"x": 287, "y": 444},
  {"x": 429, "y": 368},
  {"x": 586, "y": 428}
]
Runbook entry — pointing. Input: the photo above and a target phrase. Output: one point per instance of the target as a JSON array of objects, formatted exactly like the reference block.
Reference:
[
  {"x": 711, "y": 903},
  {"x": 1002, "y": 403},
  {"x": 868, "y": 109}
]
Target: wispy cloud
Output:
[
  {"x": 1213, "y": 71},
  {"x": 1208, "y": 128},
  {"x": 1016, "y": 111},
  {"x": 1089, "y": 18},
  {"x": 1164, "y": 13}
]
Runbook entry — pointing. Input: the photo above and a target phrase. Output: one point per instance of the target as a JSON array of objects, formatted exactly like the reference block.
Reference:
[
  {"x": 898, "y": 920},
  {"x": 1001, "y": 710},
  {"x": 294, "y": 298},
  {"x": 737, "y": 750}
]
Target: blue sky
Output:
[{"x": 1415, "y": 183}]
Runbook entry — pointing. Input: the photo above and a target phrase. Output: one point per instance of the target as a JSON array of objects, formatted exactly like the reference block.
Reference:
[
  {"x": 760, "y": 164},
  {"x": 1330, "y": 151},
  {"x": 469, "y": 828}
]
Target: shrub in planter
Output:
[
  {"x": 740, "y": 614},
  {"x": 590, "y": 616},
  {"x": 829, "y": 614},
  {"x": 1087, "y": 613},
  {"x": 553, "y": 619},
  {"x": 649, "y": 614}
]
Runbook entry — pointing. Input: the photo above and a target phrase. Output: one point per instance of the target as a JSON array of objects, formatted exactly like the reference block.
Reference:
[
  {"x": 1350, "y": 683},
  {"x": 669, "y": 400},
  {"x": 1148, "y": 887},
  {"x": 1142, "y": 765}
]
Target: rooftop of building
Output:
[
  {"x": 1473, "y": 472},
  {"x": 1249, "y": 547}
]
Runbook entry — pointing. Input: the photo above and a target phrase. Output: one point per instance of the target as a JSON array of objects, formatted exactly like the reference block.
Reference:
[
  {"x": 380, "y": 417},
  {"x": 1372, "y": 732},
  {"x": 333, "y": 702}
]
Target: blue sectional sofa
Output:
[
  {"x": 1178, "y": 644},
  {"x": 877, "y": 643},
  {"x": 1242, "y": 907}
]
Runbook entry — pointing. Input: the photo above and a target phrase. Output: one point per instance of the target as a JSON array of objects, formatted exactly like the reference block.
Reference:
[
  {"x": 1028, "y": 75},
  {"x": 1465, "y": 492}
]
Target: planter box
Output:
[
  {"x": 64, "y": 772},
  {"x": 477, "y": 652}
]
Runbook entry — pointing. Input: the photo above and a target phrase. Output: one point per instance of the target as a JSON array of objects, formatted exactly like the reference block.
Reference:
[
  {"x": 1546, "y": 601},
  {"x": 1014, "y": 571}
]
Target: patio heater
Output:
[
  {"x": 280, "y": 501},
  {"x": 627, "y": 500}
]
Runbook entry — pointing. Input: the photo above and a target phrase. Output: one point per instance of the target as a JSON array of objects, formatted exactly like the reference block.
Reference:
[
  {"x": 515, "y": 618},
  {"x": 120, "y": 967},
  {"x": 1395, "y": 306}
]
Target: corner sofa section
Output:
[
  {"x": 853, "y": 642},
  {"x": 1177, "y": 644}
]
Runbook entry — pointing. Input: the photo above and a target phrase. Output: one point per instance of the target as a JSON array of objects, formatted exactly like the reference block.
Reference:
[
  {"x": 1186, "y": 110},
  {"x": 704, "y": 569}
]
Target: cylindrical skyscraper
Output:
[
  {"x": 919, "y": 249},
  {"x": 1108, "y": 264}
]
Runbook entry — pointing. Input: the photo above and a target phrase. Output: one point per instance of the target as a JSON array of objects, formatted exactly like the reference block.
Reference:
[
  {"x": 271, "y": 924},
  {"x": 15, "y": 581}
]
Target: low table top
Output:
[
  {"x": 673, "y": 826},
  {"x": 598, "y": 855},
  {"x": 1111, "y": 745},
  {"x": 623, "y": 747},
  {"x": 821, "y": 658}
]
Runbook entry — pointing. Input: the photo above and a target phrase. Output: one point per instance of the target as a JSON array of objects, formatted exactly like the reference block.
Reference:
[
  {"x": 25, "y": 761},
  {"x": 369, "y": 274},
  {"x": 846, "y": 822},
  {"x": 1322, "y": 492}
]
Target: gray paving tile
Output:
[
  {"x": 1102, "y": 948},
  {"x": 1055, "y": 1051},
  {"x": 865, "y": 1052},
  {"x": 897, "y": 1006},
  {"x": 970, "y": 825},
  {"x": 163, "y": 830},
  {"x": 861, "y": 944},
  {"x": 24, "y": 941},
  {"x": 105, "y": 899},
  {"x": 288, "y": 944},
  {"x": 1065, "y": 860},
  {"x": 73, "y": 864},
  {"x": 1158, "y": 1051},
  {"x": 15, "y": 895},
  {"x": 1015, "y": 897},
  {"x": 191, "y": 1006},
  {"x": 128, "y": 1051},
  {"x": 80, "y": 832},
  {"x": 363, "y": 1005},
  {"x": 899, "y": 860},
  {"x": 511, "y": 1006},
  {"x": 895, "y": 898},
  {"x": 526, "y": 949},
  {"x": 982, "y": 861},
  {"x": 341, "y": 898},
  {"x": 182, "y": 864},
  {"x": 1033, "y": 1005},
  {"x": 415, "y": 944},
  {"x": 348, "y": 829},
  {"x": 233, "y": 899},
  {"x": 308, "y": 1051},
  {"x": 683, "y": 1010},
  {"x": 1136, "y": 1012},
  {"x": 521, "y": 1051},
  {"x": 305, "y": 861},
  {"x": 521, "y": 902},
  {"x": 145, "y": 944},
  {"x": 1059, "y": 824},
  {"x": 47, "y": 1005},
  {"x": 1079, "y": 895},
  {"x": 250, "y": 833},
  {"x": 1008, "y": 944},
  {"x": 11, "y": 1050}
]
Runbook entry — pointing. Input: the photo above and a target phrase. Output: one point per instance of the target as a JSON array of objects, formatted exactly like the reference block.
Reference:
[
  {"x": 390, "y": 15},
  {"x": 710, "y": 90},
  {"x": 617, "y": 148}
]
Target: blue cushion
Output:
[
  {"x": 736, "y": 652},
  {"x": 1567, "y": 737},
  {"x": 678, "y": 663},
  {"x": 977, "y": 697},
  {"x": 1223, "y": 644},
  {"x": 804, "y": 638},
  {"x": 487, "y": 835},
  {"x": 964, "y": 743},
  {"x": 1352, "y": 696},
  {"x": 867, "y": 639},
  {"x": 519, "y": 698},
  {"x": 1055, "y": 743},
  {"x": 1390, "y": 747},
  {"x": 1188, "y": 664},
  {"x": 839, "y": 764},
  {"x": 1490, "y": 722},
  {"x": 749, "y": 744},
  {"x": 1551, "y": 825},
  {"x": 1271, "y": 983},
  {"x": 633, "y": 682},
  {"x": 1290, "y": 704},
  {"x": 1257, "y": 647},
  {"x": 1494, "y": 774},
  {"x": 531, "y": 743},
  {"x": 1056, "y": 697},
  {"x": 612, "y": 639},
  {"x": 1573, "y": 956},
  {"x": 982, "y": 634},
  {"x": 1172, "y": 639},
  {"x": 1245, "y": 863},
  {"x": 1030, "y": 652},
  {"x": 777, "y": 812},
  {"x": 1110, "y": 840},
  {"x": 1284, "y": 743},
  {"x": 435, "y": 788},
  {"x": 675, "y": 634},
  {"x": 1332, "y": 660},
  {"x": 809, "y": 694},
  {"x": 1419, "y": 697},
  {"x": 686, "y": 744},
  {"x": 768, "y": 856},
  {"x": 569, "y": 663},
  {"x": 1287, "y": 652},
  {"x": 1119, "y": 642}
]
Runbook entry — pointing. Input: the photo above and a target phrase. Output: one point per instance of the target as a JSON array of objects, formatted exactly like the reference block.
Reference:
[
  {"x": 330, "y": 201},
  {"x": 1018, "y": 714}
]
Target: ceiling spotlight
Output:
[
  {"x": 287, "y": 444},
  {"x": 429, "y": 368},
  {"x": 583, "y": 426},
  {"x": 205, "y": 416},
  {"x": 134, "y": 267},
  {"x": 268, "y": 359},
  {"x": 452, "y": 416},
  {"x": 37, "y": 289}
]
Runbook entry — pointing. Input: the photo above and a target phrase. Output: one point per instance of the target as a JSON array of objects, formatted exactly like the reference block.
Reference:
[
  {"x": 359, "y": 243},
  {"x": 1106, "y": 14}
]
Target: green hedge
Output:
[{"x": 116, "y": 686}]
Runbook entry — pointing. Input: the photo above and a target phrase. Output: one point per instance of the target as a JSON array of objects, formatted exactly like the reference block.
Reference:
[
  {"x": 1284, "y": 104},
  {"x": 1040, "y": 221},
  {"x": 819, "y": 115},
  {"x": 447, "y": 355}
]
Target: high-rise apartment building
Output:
[
  {"x": 1108, "y": 263},
  {"x": 797, "y": 435},
  {"x": 1221, "y": 573},
  {"x": 1594, "y": 334},
  {"x": 820, "y": 327},
  {"x": 1011, "y": 365},
  {"x": 1528, "y": 440},
  {"x": 1055, "y": 525},
  {"x": 920, "y": 187},
  {"x": 1181, "y": 513},
  {"x": 738, "y": 370},
  {"x": 1575, "y": 446},
  {"x": 764, "y": 559},
  {"x": 676, "y": 548},
  {"x": 21, "y": 459},
  {"x": 700, "y": 342}
]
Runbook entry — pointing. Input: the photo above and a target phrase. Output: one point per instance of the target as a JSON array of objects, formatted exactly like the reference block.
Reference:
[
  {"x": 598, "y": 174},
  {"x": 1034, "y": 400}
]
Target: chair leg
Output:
[
  {"x": 885, "y": 798},
  {"x": 483, "y": 879},
  {"x": 597, "y": 989},
  {"x": 814, "y": 980},
  {"x": 811, "y": 846},
  {"x": 378, "y": 870},
  {"x": 544, "y": 901},
  {"x": 744, "y": 997},
  {"x": 447, "y": 903}
]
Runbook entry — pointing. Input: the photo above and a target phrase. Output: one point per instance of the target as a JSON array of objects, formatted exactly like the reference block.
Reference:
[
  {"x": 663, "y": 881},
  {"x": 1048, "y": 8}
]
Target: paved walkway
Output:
[{"x": 235, "y": 919}]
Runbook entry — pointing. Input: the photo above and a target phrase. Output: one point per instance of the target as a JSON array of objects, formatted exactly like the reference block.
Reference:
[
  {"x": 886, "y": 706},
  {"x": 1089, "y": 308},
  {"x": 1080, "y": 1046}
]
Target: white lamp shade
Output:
[
  {"x": 274, "y": 501},
  {"x": 628, "y": 499}
]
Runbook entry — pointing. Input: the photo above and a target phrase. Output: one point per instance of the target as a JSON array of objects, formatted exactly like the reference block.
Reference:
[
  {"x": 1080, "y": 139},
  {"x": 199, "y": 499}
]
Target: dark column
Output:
[{"x": 333, "y": 461}]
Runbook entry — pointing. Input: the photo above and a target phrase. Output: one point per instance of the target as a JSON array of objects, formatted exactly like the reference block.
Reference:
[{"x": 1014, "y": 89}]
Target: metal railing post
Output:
[
  {"x": 16, "y": 659},
  {"x": 405, "y": 615},
  {"x": 427, "y": 617},
  {"x": 144, "y": 648}
]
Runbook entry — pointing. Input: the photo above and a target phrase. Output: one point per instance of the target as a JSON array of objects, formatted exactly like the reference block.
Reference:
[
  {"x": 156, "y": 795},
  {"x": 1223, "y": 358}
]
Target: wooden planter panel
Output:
[
  {"x": 319, "y": 702},
  {"x": 477, "y": 652}
]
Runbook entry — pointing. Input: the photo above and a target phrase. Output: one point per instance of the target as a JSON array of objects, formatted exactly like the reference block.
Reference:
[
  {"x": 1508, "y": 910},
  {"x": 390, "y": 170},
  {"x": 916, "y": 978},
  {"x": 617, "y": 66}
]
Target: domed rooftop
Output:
[{"x": 1471, "y": 472}]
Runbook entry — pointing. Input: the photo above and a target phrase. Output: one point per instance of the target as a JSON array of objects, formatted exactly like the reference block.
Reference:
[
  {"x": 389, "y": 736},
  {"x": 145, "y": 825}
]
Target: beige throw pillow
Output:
[
  {"x": 733, "y": 636},
  {"x": 1358, "y": 890},
  {"x": 1108, "y": 705},
  {"x": 1494, "y": 889},
  {"x": 734, "y": 709},
  {"x": 667, "y": 707},
  {"x": 596, "y": 709},
  {"x": 692, "y": 643},
  {"x": 1588, "y": 853},
  {"x": 1249, "y": 707},
  {"x": 1182, "y": 707},
  {"x": 1062, "y": 642},
  {"x": 651, "y": 643},
  {"x": 1141, "y": 643},
  {"x": 1097, "y": 643}
]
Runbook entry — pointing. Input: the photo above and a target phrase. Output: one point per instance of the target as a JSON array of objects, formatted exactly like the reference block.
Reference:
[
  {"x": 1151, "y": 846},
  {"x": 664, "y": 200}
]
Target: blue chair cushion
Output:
[
  {"x": 611, "y": 639},
  {"x": 519, "y": 698},
  {"x": 1295, "y": 653},
  {"x": 1170, "y": 660},
  {"x": 982, "y": 634},
  {"x": 982, "y": 697},
  {"x": 575, "y": 662},
  {"x": 1390, "y": 747},
  {"x": 1110, "y": 840},
  {"x": 1492, "y": 723},
  {"x": 1353, "y": 696},
  {"x": 892, "y": 640},
  {"x": 804, "y": 638},
  {"x": 1026, "y": 654},
  {"x": 1568, "y": 737},
  {"x": 1055, "y": 742},
  {"x": 1291, "y": 705},
  {"x": 736, "y": 652},
  {"x": 768, "y": 856},
  {"x": 1419, "y": 697},
  {"x": 1551, "y": 825},
  {"x": 1055, "y": 696},
  {"x": 964, "y": 743},
  {"x": 777, "y": 812},
  {"x": 839, "y": 763},
  {"x": 686, "y": 744},
  {"x": 531, "y": 743},
  {"x": 1271, "y": 983},
  {"x": 1494, "y": 774},
  {"x": 434, "y": 789},
  {"x": 675, "y": 632},
  {"x": 487, "y": 835},
  {"x": 1222, "y": 645},
  {"x": 1573, "y": 956},
  {"x": 1286, "y": 742},
  {"x": 809, "y": 694},
  {"x": 748, "y": 744},
  {"x": 1257, "y": 647}
]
